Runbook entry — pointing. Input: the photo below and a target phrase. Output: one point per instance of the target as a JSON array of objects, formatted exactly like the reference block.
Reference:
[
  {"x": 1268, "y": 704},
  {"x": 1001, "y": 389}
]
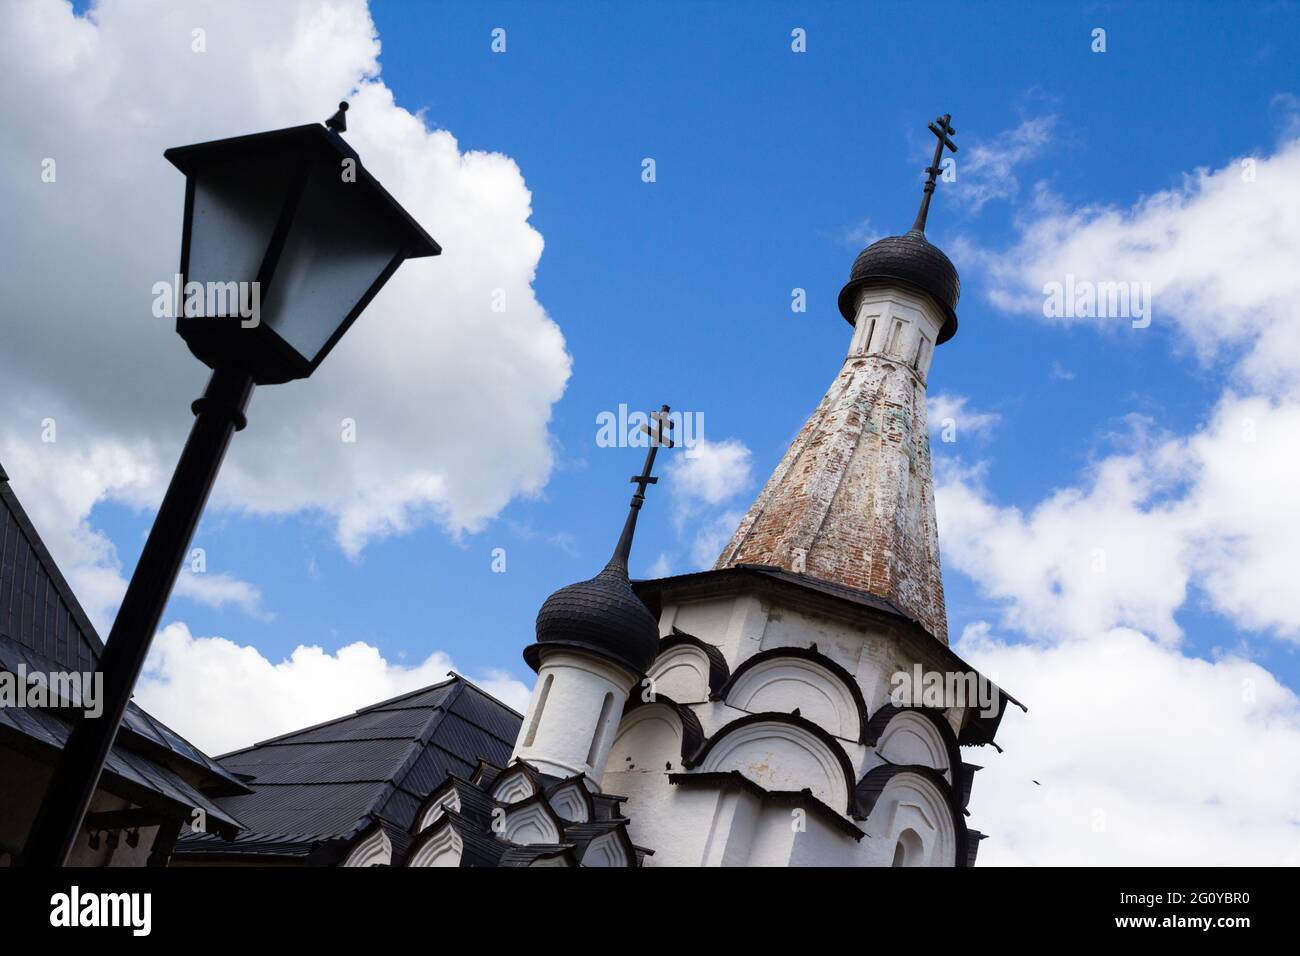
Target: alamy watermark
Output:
[
  {"x": 944, "y": 689},
  {"x": 83, "y": 691},
  {"x": 75, "y": 908},
  {"x": 209, "y": 300},
  {"x": 624, "y": 429},
  {"x": 1085, "y": 299}
]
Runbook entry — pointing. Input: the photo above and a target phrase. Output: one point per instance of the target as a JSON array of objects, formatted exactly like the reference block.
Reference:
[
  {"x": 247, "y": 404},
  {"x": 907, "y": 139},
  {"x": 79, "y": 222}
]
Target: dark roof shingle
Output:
[{"x": 326, "y": 784}]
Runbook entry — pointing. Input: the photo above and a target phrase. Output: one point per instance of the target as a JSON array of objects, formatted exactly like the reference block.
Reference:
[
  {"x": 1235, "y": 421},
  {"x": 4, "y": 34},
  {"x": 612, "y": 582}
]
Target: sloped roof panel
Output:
[{"x": 332, "y": 781}]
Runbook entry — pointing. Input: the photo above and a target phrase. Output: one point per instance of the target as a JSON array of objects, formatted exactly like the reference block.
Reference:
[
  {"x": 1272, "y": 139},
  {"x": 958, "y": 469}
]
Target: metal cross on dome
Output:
[
  {"x": 661, "y": 423},
  {"x": 941, "y": 128},
  {"x": 658, "y": 440}
]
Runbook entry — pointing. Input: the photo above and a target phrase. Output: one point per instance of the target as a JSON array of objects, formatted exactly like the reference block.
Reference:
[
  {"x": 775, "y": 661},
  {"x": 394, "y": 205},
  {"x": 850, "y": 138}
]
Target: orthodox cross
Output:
[
  {"x": 657, "y": 440},
  {"x": 943, "y": 130},
  {"x": 660, "y": 423}
]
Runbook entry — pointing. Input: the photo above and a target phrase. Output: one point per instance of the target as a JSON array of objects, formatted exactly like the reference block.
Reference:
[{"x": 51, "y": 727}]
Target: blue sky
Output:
[
  {"x": 773, "y": 169},
  {"x": 678, "y": 291}
]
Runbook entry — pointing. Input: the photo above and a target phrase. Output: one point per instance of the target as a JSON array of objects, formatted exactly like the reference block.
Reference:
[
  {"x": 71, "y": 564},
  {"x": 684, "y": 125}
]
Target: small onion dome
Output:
[
  {"x": 909, "y": 260},
  {"x": 602, "y": 616}
]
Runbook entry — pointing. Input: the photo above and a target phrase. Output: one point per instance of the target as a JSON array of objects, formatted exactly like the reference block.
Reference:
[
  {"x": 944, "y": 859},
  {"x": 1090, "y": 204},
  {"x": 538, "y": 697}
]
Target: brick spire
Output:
[{"x": 852, "y": 501}]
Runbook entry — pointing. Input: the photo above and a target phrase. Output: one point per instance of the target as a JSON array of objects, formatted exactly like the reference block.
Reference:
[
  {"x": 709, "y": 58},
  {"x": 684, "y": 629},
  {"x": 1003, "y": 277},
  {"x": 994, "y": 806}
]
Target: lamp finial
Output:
[{"x": 339, "y": 121}]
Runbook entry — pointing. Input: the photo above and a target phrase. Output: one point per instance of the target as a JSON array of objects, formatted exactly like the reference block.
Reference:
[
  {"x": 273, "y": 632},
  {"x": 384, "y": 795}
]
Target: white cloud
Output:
[
  {"x": 987, "y": 170},
  {"x": 1142, "y": 756},
  {"x": 861, "y": 235},
  {"x": 1218, "y": 251},
  {"x": 1219, "y": 509},
  {"x": 662, "y": 567},
  {"x": 451, "y": 400},
  {"x": 1060, "y": 372},
  {"x": 1082, "y": 561},
  {"x": 704, "y": 480},
  {"x": 948, "y": 414},
  {"x": 712, "y": 535},
  {"x": 711, "y": 472},
  {"x": 1145, "y": 754},
  {"x": 219, "y": 589},
  {"x": 59, "y": 483},
  {"x": 222, "y": 696}
]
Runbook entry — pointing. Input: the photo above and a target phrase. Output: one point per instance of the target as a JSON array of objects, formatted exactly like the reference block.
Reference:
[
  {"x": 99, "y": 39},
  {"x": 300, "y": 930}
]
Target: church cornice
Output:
[
  {"x": 831, "y": 742},
  {"x": 692, "y": 729},
  {"x": 803, "y": 654},
  {"x": 803, "y": 799},
  {"x": 872, "y": 785},
  {"x": 887, "y": 713},
  {"x": 858, "y": 609},
  {"x": 719, "y": 672}
]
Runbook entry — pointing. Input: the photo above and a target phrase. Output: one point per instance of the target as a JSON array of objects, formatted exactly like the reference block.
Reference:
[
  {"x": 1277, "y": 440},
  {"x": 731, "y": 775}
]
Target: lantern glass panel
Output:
[
  {"x": 339, "y": 246},
  {"x": 237, "y": 204}
]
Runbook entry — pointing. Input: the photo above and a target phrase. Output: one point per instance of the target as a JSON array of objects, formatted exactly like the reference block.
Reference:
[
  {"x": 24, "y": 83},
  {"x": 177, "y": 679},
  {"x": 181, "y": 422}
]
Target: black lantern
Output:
[{"x": 287, "y": 238}]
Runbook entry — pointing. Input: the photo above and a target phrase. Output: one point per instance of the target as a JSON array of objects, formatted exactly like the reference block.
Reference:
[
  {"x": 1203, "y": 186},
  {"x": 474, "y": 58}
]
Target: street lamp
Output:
[{"x": 286, "y": 240}]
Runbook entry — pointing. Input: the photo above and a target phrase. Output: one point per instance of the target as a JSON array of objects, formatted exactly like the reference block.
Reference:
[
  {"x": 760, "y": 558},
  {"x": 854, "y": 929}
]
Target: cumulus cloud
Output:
[
  {"x": 1081, "y": 561},
  {"x": 1218, "y": 251},
  {"x": 703, "y": 481},
  {"x": 450, "y": 399},
  {"x": 950, "y": 415},
  {"x": 712, "y": 535},
  {"x": 987, "y": 170},
  {"x": 220, "y": 589},
  {"x": 1141, "y": 756},
  {"x": 1216, "y": 507},
  {"x": 222, "y": 696},
  {"x": 662, "y": 566},
  {"x": 1142, "y": 753},
  {"x": 711, "y": 472},
  {"x": 59, "y": 482}
]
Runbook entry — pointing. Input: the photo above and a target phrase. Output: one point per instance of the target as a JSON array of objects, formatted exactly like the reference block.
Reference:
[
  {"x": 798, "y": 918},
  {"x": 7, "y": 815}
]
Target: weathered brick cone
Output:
[{"x": 852, "y": 501}]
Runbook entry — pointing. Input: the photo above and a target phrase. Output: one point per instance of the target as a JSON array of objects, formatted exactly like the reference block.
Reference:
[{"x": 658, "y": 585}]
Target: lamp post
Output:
[{"x": 286, "y": 240}]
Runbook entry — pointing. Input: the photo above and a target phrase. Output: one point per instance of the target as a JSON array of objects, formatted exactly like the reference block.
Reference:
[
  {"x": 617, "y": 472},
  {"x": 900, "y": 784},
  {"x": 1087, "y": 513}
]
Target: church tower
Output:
[
  {"x": 852, "y": 501},
  {"x": 595, "y": 640},
  {"x": 783, "y": 723},
  {"x": 796, "y": 705}
]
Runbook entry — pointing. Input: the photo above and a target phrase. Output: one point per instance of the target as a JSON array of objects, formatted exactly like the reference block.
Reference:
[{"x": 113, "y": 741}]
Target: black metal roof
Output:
[
  {"x": 37, "y": 607},
  {"x": 43, "y": 630},
  {"x": 475, "y": 805},
  {"x": 484, "y": 846},
  {"x": 912, "y": 261},
  {"x": 528, "y": 855},
  {"x": 314, "y": 791},
  {"x": 134, "y": 777}
]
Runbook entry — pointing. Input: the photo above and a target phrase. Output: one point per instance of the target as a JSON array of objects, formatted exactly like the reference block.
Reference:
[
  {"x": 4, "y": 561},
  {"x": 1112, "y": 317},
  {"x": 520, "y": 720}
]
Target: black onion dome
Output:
[
  {"x": 909, "y": 260},
  {"x": 602, "y": 615}
]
